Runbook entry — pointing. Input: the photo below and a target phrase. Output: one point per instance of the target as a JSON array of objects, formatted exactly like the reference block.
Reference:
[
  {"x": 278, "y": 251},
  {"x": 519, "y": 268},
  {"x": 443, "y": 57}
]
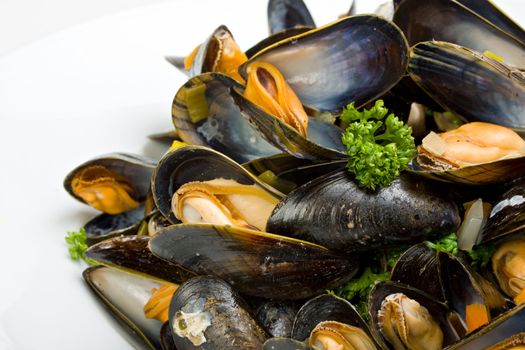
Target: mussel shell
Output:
[
  {"x": 489, "y": 11},
  {"x": 439, "y": 311},
  {"x": 370, "y": 57},
  {"x": 166, "y": 337},
  {"x": 232, "y": 326},
  {"x": 253, "y": 262},
  {"x": 280, "y": 343},
  {"x": 450, "y": 21},
  {"x": 224, "y": 129},
  {"x": 507, "y": 216},
  {"x": 296, "y": 170},
  {"x": 517, "y": 340},
  {"x": 325, "y": 307},
  {"x": 105, "y": 226},
  {"x": 134, "y": 168},
  {"x": 277, "y": 317},
  {"x": 471, "y": 290},
  {"x": 474, "y": 86},
  {"x": 501, "y": 328},
  {"x": 194, "y": 163},
  {"x": 166, "y": 137},
  {"x": 131, "y": 254},
  {"x": 325, "y": 147},
  {"x": 274, "y": 38},
  {"x": 335, "y": 212},
  {"x": 125, "y": 295},
  {"x": 418, "y": 267},
  {"x": 286, "y": 14}
]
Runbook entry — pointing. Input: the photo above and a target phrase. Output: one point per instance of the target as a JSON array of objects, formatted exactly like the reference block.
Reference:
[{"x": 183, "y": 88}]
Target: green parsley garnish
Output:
[
  {"x": 378, "y": 151},
  {"x": 480, "y": 255},
  {"x": 448, "y": 243},
  {"x": 78, "y": 246}
]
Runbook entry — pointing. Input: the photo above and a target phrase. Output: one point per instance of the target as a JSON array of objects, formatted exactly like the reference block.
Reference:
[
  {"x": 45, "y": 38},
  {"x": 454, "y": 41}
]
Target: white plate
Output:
[{"x": 95, "y": 88}]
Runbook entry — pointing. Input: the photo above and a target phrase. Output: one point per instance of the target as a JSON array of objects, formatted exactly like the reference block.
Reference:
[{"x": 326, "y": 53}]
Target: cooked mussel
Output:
[
  {"x": 504, "y": 331},
  {"x": 219, "y": 53},
  {"x": 335, "y": 212},
  {"x": 330, "y": 335},
  {"x": 206, "y": 313},
  {"x": 406, "y": 318},
  {"x": 287, "y": 14},
  {"x": 470, "y": 84},
  {"x": 476, "y": 153},
  {"x": 196, "y": 184},
  {"x": 369, "y": 59},
  {"x": 450, "y": 21},
  {"x": 327, "y": 308},
  {"x": 508, "y": 264},
  {"x": 125, "y": 296},
  {"x": 253, "y": 262},
  {"x": 113, "y": 183},
  {"x": 204, "y": 114}
]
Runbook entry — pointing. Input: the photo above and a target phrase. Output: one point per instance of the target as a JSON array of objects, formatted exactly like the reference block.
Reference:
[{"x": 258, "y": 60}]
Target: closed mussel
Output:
[
  {"x": 335, "y": 212},
  {"x": 206, "y": 313},
  {"x": 113, "y": 184},
  {"x": 277, "y": 317},
  {"x": 253, "y": 262}
]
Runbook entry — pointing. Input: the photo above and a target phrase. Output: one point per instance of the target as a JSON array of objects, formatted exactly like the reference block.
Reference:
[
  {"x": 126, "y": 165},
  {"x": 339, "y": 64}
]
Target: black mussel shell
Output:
[
  {"x": 326, "y": 307},
  {"x": 166, "y": 337},
  {"x": 335, "y": 212},
  {"x": 131, "y": 254},
  {"x": 230, "y": 324},
  {"x": 105, "y": 226},
  {"x": 194, "y": 163},
  {"x": 280, "y": 343},
  {"x": 222, "y": 127},
  {"x": 439, "y": 311},
  {"x": 124, "y": 295},
  {"x": 287, "y": 14},
  {"x": 277, "y": 317},
  {"x": 418, "y": 267},
  {"x": 253, "y": 262}
]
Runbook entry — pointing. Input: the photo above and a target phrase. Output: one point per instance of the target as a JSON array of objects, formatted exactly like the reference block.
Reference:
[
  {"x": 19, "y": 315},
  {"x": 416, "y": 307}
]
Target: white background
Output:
[{"x": 79, "y": 79}]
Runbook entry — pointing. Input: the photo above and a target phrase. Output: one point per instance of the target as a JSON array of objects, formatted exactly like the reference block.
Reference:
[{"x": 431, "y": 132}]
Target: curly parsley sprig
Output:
[
  {"x": 378, "y": 151},
  {"x": 78, "y": 246}
]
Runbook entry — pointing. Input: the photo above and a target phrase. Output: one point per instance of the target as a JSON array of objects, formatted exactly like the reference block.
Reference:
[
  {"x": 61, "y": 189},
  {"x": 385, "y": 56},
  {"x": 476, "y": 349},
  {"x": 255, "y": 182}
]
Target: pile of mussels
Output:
[{"x": 232, "y": 239}]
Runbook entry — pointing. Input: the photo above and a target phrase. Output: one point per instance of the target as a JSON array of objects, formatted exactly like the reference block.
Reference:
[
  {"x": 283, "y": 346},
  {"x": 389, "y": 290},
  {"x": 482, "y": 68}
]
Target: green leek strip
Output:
[
  {"x": 196, "y": 103},
  {"x": 271, "y": 179}
]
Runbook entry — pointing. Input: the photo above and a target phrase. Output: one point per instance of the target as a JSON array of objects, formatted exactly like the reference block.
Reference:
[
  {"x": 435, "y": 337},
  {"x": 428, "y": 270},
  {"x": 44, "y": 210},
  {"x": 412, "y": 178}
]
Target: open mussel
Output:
[
  {"x": 504, "y": 332},
  {"x": 253, "y": 262},
  {"x": 206, "y": 313},
  {"x": 406, "y": 318},
  {"x": 335, "y": 212},
  {"x": 508, "y": 265},
  {"x": 113, "y": 183},
  {"x": 219, "y": 53},
  {"x": 475, "y": 86},
  {"x": 449, "y": 20},
  {"x": 287, "y": 14},
  {"x": 196, "y": 184},
  {"x": 370, "y": 58},
  {"x": 125, "y": 296},
  {"x": 475, "y": 153},
  {"x": 204, "y": 114}
]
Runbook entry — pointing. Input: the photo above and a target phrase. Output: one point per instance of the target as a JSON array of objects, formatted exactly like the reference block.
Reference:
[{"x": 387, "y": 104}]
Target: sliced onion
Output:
[{"x": 475, "y": 215}]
